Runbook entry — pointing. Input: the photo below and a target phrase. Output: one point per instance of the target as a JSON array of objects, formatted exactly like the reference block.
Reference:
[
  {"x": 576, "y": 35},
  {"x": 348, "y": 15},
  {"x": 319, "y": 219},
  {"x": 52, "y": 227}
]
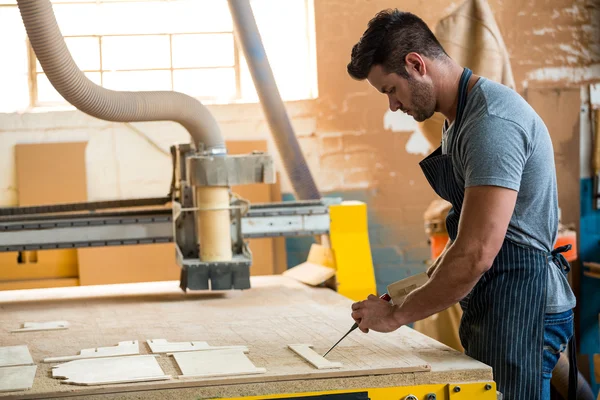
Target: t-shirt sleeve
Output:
[{"x": 494, "y": 152}]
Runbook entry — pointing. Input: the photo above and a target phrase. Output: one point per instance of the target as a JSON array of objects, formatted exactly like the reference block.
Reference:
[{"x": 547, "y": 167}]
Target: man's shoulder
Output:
[{"x": 497, "y": 102}]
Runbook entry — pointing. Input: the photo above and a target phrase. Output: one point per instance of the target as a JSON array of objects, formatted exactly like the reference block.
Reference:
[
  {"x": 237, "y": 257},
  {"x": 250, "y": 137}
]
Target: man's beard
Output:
[{"x": 423, "y": 100}]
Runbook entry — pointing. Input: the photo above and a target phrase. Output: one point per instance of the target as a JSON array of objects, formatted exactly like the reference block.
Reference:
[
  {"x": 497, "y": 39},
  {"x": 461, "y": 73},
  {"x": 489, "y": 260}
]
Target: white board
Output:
[
  {"x": 215, "y": 363},
  {"x": 17, "y": 378},
  {"x": 305, "y": 351},
  {"x": 164, "y": 346},
  {"x": 100, "y": 371},
  {"x": 15, "y": 355},
  {"x": 121, "y": 349},
  {"x": 42, "y": 326}
]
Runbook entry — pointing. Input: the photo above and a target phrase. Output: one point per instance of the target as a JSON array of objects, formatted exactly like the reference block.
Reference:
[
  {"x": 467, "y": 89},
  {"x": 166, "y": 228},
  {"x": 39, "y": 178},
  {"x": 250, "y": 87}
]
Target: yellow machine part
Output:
[
  {"x": 349, "y": 236},
  {"x": 453, "y": 391}
]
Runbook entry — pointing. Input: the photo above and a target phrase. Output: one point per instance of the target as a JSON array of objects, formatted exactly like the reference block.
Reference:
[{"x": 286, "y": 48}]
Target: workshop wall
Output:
[{"x": 355, "y": 147}]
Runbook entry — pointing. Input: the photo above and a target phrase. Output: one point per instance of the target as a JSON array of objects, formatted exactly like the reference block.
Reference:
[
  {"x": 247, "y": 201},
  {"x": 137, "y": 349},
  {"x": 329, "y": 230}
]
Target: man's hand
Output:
[{"x": 376, "y": 314}]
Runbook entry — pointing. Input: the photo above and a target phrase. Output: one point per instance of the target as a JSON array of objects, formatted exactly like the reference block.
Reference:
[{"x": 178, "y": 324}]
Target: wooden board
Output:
[
  {"x": 276, "y": 312},
  {"x": 318, "y": 267},
  {"x": 163, "y": 346},
  {"x": 17, "y": 378},
  {"x": 42, "y": 326},
  {"x": 305, "y": 351},
  {"x": 15, "y": 355},
  {"x": 124, "y": 348},
  {"x": 213, "y": 363},
  {"x": 101, "y": 371},
  {"x": 402, "y": 288}
]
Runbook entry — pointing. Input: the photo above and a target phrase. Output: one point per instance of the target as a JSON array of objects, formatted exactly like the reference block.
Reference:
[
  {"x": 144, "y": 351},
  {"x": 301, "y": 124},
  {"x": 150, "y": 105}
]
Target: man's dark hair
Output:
[{"x": 389, "y": 37}]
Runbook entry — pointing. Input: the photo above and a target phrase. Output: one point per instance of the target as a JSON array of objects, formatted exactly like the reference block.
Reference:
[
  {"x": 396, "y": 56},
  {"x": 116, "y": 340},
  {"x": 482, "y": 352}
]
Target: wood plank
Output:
[
  {"x": 15, "y": 355},
  {"x": 17, "y": 378},
  {"x": 215, "y": 363},
  {"x": 124, "y": 348},
  {"x": 400, "y": 289},
  {"x": 123, "y": 264},
  {"x": 163, "y": 346},
  {"x": 305, "y": 351},
  {"x": 102, "y": 371},
  {"x": 42, "y": 326},
  {"x": 277, "y": 311},
  {"x": 36, "y": 283}
]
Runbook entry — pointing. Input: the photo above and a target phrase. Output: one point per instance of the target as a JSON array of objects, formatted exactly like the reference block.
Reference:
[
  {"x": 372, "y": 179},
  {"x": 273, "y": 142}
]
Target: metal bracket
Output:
[{"x": 230, "y": 170}]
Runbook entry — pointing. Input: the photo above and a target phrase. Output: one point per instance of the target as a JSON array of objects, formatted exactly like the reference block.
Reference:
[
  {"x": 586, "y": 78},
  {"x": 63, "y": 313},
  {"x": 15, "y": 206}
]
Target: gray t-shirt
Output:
[{"x": 503, "y": 142}]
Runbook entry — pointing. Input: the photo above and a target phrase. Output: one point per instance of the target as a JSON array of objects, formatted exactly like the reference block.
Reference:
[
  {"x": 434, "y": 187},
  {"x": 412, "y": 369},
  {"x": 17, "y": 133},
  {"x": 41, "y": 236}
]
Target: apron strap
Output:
[{"x": 462, "y": 97}]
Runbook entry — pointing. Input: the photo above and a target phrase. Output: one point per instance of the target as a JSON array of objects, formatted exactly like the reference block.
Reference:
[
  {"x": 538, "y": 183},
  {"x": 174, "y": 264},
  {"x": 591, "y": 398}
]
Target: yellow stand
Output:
[{"x": 349, "y": 235}]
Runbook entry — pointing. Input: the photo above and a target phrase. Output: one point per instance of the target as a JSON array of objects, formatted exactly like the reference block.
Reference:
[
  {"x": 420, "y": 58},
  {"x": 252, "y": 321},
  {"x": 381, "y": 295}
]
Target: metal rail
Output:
[{"x": 37, "y": 231}]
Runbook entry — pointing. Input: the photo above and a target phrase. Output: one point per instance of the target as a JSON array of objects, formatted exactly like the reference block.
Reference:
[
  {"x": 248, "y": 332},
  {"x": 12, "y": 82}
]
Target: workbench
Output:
[{"x": 275, "y": 312}]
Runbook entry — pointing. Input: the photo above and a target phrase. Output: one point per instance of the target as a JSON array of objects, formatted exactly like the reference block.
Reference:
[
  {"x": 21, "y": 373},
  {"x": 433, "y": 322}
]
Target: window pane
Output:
[
  {"x": 84, "y": 50},
  {"x": 191, "y": 16},
  {"x": 46, "y": 92},
  {"x": 138, "y": 80},
  {"x": 206, "y": 83},
  {"x": 135, "y": 17},
  {"x": 135, "y": 52},
  {"x": 203, "y": 50},
  {"x": 77, "y": 19},
  {"x": 293, "y": 70}
]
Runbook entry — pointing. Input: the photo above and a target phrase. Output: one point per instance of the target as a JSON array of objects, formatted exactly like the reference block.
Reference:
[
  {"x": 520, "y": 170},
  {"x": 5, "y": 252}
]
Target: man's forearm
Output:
[
  {"x": 457, "y": 272},
  {"x": 437, "y": 261}
]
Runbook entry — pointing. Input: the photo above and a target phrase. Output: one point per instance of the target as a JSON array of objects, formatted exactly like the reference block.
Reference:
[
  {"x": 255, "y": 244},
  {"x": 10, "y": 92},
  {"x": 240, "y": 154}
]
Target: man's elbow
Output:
[
  {"x": 485, "y": 257},
  {"x": 481, "y": 257}
]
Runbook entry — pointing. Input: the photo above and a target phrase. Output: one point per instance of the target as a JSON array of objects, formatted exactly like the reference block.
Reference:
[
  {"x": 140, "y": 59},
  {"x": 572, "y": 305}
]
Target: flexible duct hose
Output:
[
  {"x": 52, "y": 53},
  {"x": 287, "y": 143}
]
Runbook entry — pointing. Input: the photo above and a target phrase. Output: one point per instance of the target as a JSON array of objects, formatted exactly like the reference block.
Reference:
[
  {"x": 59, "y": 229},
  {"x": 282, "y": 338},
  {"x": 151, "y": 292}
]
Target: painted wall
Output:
[
  {"x": 354, "y": 146},
  {"x": 352, "y": 142}
]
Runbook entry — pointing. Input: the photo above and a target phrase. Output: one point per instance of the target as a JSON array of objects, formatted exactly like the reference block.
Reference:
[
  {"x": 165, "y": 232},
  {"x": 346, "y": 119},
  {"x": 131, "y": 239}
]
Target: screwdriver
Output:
[{"x": 384, "y": 296}]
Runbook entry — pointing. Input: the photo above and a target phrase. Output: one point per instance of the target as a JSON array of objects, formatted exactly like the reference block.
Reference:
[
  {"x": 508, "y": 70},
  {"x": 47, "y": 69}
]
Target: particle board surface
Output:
[{"x": 276, "y": 312}]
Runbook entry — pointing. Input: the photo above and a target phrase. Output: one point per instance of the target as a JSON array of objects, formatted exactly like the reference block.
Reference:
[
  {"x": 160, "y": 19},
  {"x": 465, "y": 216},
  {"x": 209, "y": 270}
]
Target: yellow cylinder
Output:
[{"x": 214, "y": 223}]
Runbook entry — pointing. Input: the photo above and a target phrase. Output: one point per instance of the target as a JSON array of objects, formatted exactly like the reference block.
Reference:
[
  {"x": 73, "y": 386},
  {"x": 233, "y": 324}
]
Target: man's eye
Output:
[{"x": 392, "y": 90}]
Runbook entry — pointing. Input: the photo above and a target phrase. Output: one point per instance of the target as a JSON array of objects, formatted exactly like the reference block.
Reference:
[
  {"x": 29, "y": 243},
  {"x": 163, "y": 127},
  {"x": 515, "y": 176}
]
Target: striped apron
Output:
[{"x": 503, "y": 316}]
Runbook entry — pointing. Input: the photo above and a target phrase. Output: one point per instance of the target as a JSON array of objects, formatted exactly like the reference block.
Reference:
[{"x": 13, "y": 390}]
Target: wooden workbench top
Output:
[{"x": 277, "y": 311}]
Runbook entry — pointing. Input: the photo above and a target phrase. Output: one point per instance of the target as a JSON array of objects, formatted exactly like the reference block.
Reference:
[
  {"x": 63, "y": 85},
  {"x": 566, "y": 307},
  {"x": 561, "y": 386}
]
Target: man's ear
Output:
[{"x": 415, "y": 64}]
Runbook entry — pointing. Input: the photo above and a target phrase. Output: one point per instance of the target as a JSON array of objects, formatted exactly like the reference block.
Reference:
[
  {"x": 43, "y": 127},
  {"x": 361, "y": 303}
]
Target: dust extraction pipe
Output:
[
  {"x": 110, "y": 105},
  {"x": 287, "y": 144}
]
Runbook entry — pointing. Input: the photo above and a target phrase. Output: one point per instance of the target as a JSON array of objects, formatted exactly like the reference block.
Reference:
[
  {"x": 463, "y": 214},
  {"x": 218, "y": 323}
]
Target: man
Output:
[{"x": 496, "y": 166}]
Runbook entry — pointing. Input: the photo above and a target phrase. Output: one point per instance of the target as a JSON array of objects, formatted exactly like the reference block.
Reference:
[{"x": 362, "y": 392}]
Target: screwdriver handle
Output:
[{"x": 385, "y": 297}]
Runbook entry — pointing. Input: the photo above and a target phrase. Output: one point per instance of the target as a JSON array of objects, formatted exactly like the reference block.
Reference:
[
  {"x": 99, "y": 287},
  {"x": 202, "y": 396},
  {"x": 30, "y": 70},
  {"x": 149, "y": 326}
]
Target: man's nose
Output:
[{"x": 394, "y": 104}]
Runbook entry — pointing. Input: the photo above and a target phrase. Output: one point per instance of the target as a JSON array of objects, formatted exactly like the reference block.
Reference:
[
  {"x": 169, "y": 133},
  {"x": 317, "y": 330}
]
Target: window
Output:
[{"x": 182, "y": 45}]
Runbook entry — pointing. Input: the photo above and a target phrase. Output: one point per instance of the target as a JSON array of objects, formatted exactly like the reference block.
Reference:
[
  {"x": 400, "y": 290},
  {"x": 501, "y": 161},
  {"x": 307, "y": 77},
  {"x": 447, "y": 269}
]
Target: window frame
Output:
[{"x": 311, "y": 93}]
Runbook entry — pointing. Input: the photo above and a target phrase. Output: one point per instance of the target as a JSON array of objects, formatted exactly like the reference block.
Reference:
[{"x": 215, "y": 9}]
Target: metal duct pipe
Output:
[
  {"x": 52, "y": 53},
  {"x": 287, "y": 143}
]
